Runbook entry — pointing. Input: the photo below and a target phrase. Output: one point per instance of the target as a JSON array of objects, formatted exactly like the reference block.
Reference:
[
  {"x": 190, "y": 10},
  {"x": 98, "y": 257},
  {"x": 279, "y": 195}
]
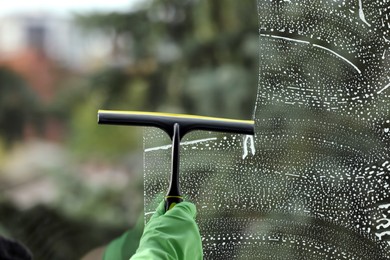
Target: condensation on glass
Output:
[{"x": 314, "y": 181}]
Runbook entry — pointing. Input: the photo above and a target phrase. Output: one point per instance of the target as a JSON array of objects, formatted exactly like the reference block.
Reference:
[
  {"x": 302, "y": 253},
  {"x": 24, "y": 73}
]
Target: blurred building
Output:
[
  {"x": 55, "y": 36},
  {"x": 45, "y": 50}
]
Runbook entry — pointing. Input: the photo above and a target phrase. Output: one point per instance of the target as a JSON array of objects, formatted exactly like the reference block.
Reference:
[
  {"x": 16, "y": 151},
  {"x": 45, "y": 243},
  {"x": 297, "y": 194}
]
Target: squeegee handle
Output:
[{"x": 173, "y": 195}]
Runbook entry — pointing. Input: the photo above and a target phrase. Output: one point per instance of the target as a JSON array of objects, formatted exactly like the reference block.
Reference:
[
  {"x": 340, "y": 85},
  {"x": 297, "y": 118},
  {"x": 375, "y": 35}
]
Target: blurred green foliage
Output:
[
  {"x": 180, "y": 52},
  {"x": 189, "y": 56}
]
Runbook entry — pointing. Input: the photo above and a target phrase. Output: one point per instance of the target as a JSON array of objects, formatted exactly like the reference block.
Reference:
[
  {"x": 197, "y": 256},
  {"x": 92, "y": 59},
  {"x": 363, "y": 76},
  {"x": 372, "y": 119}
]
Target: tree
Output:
[
  {"x": 171, "y": 44},
  {"x": 18, "y": 106}
]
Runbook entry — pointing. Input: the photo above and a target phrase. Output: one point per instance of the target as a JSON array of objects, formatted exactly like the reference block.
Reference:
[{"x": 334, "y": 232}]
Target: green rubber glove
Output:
[
  {"x": 126, "y": 245},
  {"x": 171, "y": 235}
]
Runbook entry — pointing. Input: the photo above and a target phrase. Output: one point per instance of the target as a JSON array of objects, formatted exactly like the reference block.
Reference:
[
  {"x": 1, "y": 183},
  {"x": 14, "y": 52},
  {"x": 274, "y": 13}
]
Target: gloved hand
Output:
[
  {"x": 171, "y": 235},
  {"x": 123, "y": 247}
]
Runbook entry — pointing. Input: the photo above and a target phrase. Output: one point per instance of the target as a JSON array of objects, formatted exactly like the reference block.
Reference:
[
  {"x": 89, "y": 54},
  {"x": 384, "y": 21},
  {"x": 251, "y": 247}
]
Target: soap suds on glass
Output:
[{"x": 314, "y": 182}]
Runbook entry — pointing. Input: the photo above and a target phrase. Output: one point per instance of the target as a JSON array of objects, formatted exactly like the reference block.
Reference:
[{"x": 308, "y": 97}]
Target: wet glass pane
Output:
[{"x": 313, "y": 183}]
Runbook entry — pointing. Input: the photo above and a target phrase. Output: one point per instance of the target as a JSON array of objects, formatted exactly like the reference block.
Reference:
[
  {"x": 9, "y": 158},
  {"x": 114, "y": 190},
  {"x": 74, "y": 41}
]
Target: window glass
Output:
[{"x": 313, "y": 183}]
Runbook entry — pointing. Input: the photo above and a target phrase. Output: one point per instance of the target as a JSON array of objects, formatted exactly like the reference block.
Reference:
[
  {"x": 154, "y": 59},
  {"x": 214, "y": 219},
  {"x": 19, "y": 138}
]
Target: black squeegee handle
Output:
[
  {"x": 176, "y": 126},
  {"x": 173, "y": 195}
]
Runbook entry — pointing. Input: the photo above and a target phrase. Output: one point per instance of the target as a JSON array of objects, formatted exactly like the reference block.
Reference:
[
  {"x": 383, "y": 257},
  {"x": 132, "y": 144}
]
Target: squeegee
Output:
[{"x": 176, "y": 126}]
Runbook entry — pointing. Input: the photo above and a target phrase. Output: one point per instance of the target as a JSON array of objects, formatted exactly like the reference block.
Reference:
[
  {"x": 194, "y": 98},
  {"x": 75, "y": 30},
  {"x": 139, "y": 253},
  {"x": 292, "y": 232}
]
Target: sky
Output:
[{"x": 65, "y": 6}]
